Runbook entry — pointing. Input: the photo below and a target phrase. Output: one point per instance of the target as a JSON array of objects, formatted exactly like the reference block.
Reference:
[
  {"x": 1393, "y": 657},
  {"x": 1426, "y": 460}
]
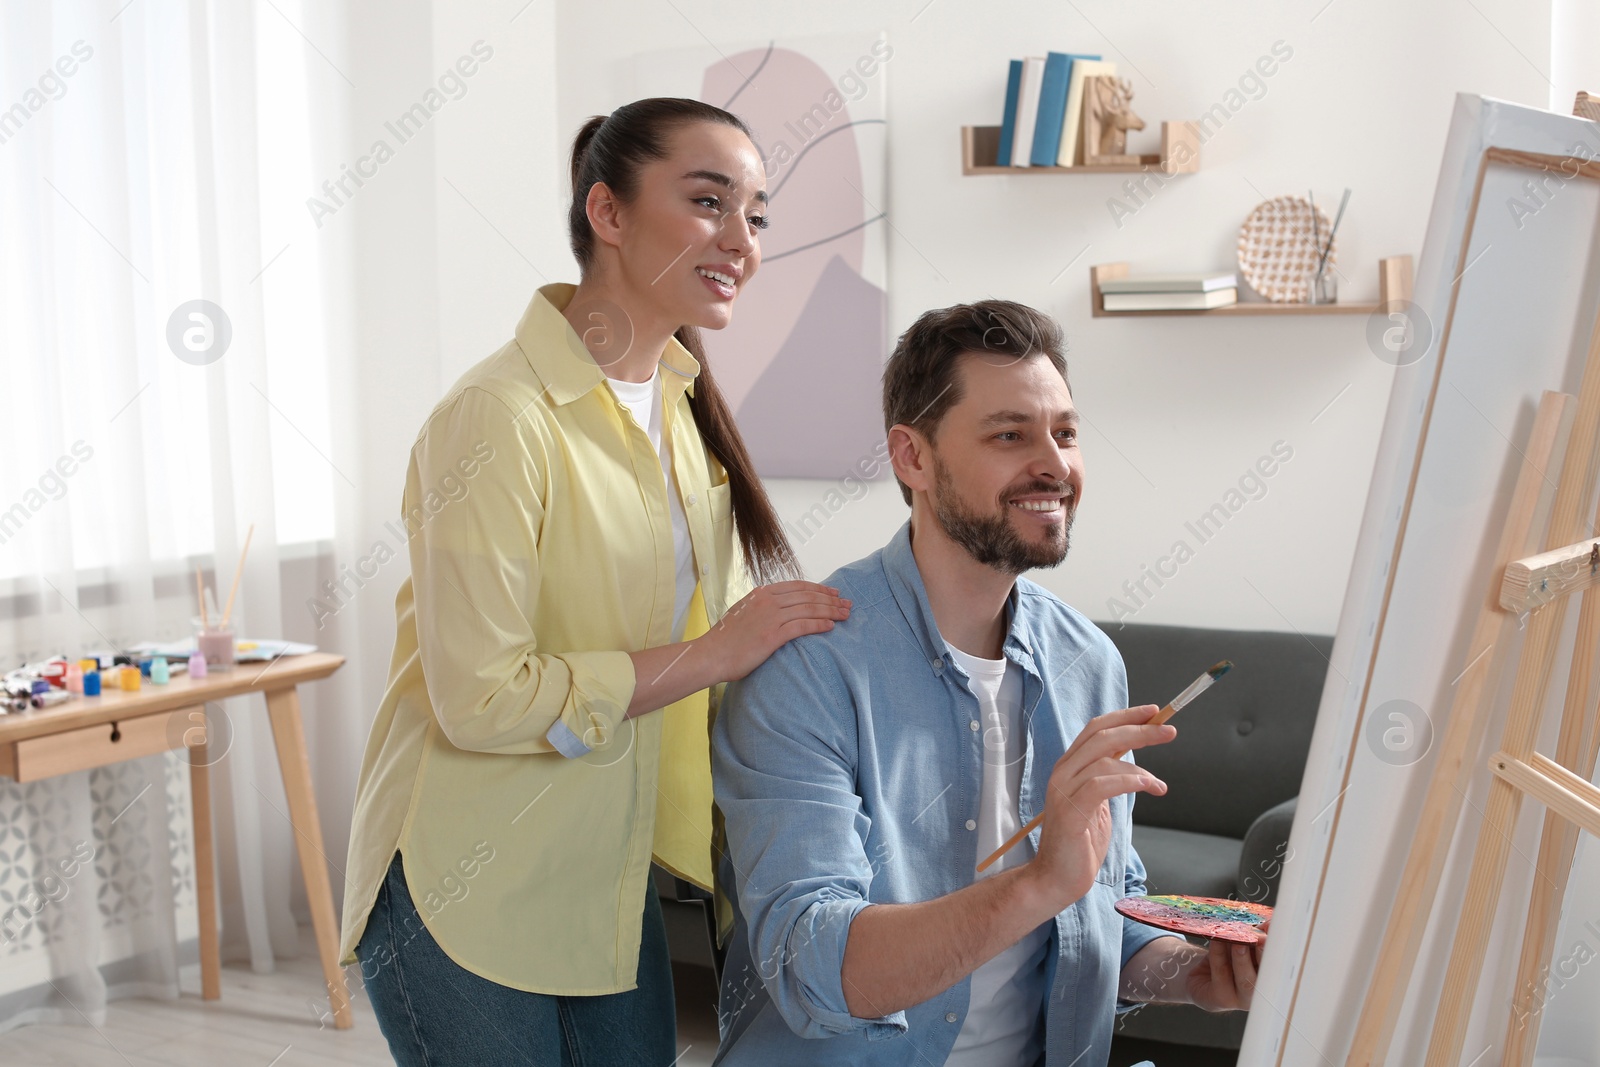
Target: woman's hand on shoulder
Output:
[{"x": 771, "y": 615}]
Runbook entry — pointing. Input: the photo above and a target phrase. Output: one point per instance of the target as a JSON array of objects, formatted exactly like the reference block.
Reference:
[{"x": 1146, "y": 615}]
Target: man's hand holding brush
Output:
[
  {"x": 1077, "y": 817},
  {"x": 1077, "y": 836},
  {"x": 1179, "y": 702}
]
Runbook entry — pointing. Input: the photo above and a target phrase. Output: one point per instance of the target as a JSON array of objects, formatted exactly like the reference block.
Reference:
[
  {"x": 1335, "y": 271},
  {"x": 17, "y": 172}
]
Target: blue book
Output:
[
  {"x": 1052, "y": 107},
  {"x": 1008, "y": 128}
]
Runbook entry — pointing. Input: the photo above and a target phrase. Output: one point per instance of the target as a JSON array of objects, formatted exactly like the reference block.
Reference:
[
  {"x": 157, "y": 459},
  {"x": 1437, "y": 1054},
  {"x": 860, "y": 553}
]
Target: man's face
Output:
[{"x": 1008, "y": 475}]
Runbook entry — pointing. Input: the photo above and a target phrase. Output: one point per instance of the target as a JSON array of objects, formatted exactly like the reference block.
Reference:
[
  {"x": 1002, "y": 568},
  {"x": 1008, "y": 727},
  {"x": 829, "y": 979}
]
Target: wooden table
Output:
[{"x": 89, "y": 732}]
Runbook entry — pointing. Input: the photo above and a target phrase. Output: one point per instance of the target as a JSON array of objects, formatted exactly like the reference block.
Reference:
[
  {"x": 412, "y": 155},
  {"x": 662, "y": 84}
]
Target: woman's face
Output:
[{"x": 689, "y": 240}]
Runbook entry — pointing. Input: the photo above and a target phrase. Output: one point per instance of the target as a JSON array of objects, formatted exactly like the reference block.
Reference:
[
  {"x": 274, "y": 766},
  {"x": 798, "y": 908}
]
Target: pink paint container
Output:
[{"x": 217, "y": 648}]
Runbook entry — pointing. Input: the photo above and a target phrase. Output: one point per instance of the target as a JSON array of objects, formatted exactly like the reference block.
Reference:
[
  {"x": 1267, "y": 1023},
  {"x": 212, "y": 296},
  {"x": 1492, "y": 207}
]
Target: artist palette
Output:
[{"x": 1210, "y": 917}]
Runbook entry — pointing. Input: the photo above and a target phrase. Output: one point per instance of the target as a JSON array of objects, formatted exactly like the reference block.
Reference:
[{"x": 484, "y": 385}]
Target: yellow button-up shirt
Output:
[{"x": 500, "y": 763}]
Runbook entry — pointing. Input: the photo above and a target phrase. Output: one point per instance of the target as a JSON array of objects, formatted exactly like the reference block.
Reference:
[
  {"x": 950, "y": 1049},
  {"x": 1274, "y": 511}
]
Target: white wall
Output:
[
  {"x": 1178, "y": 409},
  {"x": 501, "y": 174}
]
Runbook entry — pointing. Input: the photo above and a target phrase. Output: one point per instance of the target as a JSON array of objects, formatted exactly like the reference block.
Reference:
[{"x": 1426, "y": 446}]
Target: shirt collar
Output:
[
  {"x": 567, "y": 370},
  {"x": 911, "y": 595}
]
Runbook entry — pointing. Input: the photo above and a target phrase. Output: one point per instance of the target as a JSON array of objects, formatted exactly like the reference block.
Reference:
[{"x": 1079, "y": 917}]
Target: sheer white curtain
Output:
[{"x": 153, "y": 154}]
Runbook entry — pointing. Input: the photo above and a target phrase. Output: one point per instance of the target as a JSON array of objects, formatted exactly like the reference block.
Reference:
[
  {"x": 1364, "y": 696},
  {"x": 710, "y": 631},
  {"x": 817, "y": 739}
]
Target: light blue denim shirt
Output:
[{"x": 849, "y": 774}]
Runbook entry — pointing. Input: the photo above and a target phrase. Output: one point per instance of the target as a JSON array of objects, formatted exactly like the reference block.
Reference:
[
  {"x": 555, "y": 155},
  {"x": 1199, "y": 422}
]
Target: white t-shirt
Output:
[
  {"x": 644, "y": 400},
  {"x": 1005, "y": 1018}
]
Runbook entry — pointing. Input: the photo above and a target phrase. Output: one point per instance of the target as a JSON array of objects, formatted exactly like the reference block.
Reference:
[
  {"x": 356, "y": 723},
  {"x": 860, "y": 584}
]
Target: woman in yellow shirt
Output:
[{"x": 583, "y": 524}]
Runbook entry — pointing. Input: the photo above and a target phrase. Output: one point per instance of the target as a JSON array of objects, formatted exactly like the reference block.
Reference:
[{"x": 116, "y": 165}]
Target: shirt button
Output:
[
  {"x": 972, "y": 824},
  {"x": 949, "y": 1016},
  {"x": 691, "y": 498},
  {"x": 972, "y": 724},
  {"x": 936, "y": 664},
  {"x": 705, "y": 568}
]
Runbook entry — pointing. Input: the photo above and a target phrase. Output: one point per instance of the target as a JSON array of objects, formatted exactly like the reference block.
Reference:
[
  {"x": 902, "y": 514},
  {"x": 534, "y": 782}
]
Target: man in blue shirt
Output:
[{"x": 864, "y": 772}]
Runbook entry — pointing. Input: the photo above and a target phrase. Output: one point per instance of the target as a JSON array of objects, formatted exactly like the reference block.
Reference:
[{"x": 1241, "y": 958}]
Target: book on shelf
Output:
[
  {"x": 1070, "y": 152},
  {"x": 1169, "y": 301},
  {"x": 1172, "y": 283},
  {"x": 1008, "y": 125},
  {"x": 1051, "y": 120},
  {"x": 1027, "y": 110}
]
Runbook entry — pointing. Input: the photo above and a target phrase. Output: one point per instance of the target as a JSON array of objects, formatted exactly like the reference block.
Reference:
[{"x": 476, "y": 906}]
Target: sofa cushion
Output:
[
  {"x": 1180, "y": 861},
  {"x": 1266, "y": 847},
  {"x": 1183, "y": 1024},
  {"x": 1241, "y": 748}
]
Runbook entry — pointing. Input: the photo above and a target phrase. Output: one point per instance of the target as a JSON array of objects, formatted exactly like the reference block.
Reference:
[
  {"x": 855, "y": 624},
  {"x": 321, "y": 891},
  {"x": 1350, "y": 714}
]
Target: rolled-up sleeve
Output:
[
  {"x": 782, "y": 771},
  {"x": 472, "y": 513},
  {"x": 1135, "y": 935}
]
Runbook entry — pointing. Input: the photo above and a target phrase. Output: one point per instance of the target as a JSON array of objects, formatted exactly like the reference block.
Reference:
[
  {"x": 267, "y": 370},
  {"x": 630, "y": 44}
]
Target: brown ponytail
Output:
[
  {"x": 611, "y": 149},
  {"x": 580, "y": 145}
]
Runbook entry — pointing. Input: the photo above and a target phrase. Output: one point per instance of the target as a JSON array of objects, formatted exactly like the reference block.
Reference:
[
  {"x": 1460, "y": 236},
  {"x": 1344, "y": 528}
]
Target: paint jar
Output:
[
  {"x": 216, "y": 645},
  {"x": 160, "y": 673},
  {"x": 197, "y": 666},
  {"x": 91, "y": 683}
]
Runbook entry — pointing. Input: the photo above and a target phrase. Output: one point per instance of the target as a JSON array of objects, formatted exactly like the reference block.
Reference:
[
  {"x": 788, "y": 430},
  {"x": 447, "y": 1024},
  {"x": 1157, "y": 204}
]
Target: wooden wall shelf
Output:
[
  {"x": 1394, "y": 284},
  {"x": 1179, "y": 141}
]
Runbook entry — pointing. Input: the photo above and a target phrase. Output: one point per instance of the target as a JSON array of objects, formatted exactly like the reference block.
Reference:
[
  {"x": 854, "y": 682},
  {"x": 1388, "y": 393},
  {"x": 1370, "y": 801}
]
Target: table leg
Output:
[
  {"x": 283, "y": 709},
  {"x": 205, "y": 876}
]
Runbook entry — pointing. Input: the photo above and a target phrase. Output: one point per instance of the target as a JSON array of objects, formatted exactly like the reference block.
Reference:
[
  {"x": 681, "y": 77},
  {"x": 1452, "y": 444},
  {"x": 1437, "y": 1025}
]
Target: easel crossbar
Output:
[
  {"x": 1534, "y": 581},
  {"x": 1552, "y": 785}
]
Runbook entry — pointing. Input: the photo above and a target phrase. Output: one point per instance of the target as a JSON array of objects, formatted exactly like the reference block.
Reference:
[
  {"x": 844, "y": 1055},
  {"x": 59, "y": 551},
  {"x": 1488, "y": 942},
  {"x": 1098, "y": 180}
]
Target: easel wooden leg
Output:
[
  {"x": 1487, "y": 877},
  {"x": 1575, "y": 750},
  {"x": 1463, "y": 738},
  {"x": 283, "y": 708},
  {"x": 205, "y": 869},
  {"x": 1577, "y": 483},
  {"x": 1494, "y": 847}
]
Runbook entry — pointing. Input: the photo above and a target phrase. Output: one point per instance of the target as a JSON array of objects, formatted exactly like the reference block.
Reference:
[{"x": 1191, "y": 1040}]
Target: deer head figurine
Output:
[{"x": 1116, "y": 118}]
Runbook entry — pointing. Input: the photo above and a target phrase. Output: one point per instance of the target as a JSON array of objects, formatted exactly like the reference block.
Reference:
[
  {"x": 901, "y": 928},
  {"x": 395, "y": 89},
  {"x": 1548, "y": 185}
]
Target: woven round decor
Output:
[{"x": 1278, "y": 248}]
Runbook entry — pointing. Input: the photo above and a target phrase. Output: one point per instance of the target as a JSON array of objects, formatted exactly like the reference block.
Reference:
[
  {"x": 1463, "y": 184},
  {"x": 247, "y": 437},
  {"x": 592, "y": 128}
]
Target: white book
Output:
[
  {"x": 1027, "y": 110},
  {"x": 1071, "y": 152},
  {"x": 1171, "y": 283},
  {"x": 1216, "y": 298}
]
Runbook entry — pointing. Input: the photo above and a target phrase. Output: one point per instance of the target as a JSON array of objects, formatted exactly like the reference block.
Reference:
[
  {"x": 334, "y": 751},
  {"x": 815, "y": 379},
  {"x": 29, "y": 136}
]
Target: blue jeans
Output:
[{"x": 436, "y": 1013}]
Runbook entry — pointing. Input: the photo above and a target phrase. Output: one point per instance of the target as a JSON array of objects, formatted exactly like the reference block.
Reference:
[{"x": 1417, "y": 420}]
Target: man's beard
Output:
[{"x": 990, "y": 539}]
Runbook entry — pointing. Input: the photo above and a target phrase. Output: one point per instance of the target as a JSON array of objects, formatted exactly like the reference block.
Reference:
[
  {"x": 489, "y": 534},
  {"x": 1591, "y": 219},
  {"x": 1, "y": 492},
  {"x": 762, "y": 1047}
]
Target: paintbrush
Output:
[
  {"x": 1323, "y": 260},
  {"x": 200, "y": 595},
  {"x": 1177, "y": 704},
  {"x": 238, "y": 573},
  {"x": 1316, "y": 224}
]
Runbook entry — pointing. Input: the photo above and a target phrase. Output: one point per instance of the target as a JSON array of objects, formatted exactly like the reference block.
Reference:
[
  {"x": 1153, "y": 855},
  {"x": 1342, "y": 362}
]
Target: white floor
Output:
[{"x": 267, "y": 1020}]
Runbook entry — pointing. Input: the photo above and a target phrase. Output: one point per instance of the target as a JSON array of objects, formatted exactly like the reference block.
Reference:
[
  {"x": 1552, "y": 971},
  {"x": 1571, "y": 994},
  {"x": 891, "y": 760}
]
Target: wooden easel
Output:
[{"x": 1534, "y": 589}]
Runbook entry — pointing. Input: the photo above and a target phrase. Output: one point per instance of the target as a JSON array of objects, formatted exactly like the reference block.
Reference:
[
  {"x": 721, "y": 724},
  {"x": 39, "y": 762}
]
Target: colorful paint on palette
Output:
[{"x": 1209, "y": 917}]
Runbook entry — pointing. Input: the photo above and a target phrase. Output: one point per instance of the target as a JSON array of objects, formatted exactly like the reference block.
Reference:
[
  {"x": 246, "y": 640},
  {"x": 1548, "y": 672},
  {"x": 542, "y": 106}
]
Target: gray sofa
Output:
[{"x": 1232, "y": 775}]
